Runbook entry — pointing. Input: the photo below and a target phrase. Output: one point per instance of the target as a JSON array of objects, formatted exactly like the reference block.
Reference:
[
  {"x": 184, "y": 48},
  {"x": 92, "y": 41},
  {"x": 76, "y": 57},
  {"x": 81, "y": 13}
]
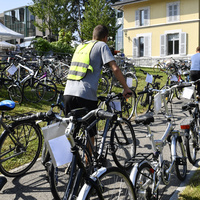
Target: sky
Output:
[{"x": 10, "y": 4}]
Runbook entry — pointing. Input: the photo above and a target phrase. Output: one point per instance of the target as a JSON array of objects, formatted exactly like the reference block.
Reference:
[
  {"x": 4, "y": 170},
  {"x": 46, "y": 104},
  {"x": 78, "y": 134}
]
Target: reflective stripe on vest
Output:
[{"x": 81, "y": 62}]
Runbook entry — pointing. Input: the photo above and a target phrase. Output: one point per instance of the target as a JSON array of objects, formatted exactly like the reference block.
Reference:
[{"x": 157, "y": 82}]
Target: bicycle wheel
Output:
[
  {"x": 156, "y": 68},
  {"x": 6, "y": 75},
  {"x": 49, "y": 88},
  {"x": 131, "y": 80},
  {"x": 123, "y": 143},
  {"x": 144, "y": 182},
  {"x": 128, "y": 106},
  {"x": 29, "y": 91},
  {"x": 63, "y": 75},
  {"x": 181, "y": 162},
  {"x": 15, "y": 94},
  {"x": 59, "y": 176},
  {"x": 20, "y": 148},
  {"x": 178, "y": 93},
  {"x": 103, "y": 86},
  {"x": 114, "y": 184},
  {"x": 142, "y": 104},
  {"x": 191, "y": 142}
]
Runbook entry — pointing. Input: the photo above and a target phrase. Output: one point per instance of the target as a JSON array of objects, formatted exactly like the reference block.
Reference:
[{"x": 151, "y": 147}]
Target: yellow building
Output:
[{"x": 156, "y": 29}]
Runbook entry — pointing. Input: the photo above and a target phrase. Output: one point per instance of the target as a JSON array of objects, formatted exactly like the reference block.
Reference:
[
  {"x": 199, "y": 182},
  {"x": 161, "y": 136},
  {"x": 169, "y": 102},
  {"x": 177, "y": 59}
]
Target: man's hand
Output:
[{"x": 127, "y": 93}]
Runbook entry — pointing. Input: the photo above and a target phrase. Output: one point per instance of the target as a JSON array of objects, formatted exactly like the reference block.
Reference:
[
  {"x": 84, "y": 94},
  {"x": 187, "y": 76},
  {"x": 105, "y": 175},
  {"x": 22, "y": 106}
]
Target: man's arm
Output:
[{"x": 118, "y": 74}]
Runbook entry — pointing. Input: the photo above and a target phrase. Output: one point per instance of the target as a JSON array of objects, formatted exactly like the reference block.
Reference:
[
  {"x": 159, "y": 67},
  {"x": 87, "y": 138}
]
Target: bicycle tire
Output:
[
  {"x": 128, "y": 106},
  {"x": 191, "y": 143},
  {"x": 49, "y": 88},
  {"x": 15, "y": 94},
  {"x": 156, "y": 68},
  {"x": 63, "y": 75},
  {"x": 30, "y": 138},
  {"x": 29, "y": 91},
  {"x": 115, "y": 184},
  {"x": 142, "y": 104},
  {"x": 143, "y": 177},
  {"x": 181, "y": 162},
  {"x": 103, "y": 86},
  {"x": 178, "y": 93},
  {"x": 5, "y": 74},
  {"x": 59, "y": 176},
  {"x": 123, "y": 144}
]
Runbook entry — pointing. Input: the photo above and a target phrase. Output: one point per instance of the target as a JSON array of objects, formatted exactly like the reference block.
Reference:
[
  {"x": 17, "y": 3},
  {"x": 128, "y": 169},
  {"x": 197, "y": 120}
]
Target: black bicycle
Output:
[
  {"x": 145, "y": 100},
  {"x": 75, "y": 174}
]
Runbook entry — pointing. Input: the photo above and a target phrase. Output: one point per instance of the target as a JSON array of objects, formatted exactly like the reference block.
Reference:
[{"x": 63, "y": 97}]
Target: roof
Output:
[{"x": 119, "y": 5}]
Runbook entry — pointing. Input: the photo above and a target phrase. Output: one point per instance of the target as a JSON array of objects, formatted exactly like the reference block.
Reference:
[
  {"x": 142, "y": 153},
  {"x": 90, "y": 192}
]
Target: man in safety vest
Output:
[{"x": 85, "y": 71}]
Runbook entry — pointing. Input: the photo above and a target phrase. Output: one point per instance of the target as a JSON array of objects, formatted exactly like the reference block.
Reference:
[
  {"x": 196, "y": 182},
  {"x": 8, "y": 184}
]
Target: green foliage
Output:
[
  {"x": 98, "y": 12},
  {"x": 54, "y": 15},
  {"x": 42, "y": 45},
  {"x": 63, "y": 45}
]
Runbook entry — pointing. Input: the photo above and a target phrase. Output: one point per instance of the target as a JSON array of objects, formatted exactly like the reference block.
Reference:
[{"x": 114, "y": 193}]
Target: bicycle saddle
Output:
[
  {"x": 7, "y": 105},
  {"x": 145, "y": 119}
]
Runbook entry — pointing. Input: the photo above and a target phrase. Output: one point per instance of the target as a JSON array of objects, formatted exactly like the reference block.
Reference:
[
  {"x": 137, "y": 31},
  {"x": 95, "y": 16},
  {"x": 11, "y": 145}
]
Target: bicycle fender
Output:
[
  {"x": 134, "y": 171},
  {"x": 86, "y": 187}
]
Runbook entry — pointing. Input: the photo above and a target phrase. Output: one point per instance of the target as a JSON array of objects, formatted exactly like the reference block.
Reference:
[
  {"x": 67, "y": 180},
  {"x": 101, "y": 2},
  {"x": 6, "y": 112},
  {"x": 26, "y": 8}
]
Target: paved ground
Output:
[{"x": 33, "y": 185}]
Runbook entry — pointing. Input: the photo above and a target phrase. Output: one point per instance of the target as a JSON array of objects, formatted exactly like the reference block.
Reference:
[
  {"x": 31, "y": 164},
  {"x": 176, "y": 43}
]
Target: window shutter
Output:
[
  {"x": 146, "y": 17},
  {"x": 182, "y": 43},
  {"x": 147, "y": 46},
  {"x": 137, "y": 18},
  {"x": 162, "y": 45},
  {"x": 135, "y": 47}
]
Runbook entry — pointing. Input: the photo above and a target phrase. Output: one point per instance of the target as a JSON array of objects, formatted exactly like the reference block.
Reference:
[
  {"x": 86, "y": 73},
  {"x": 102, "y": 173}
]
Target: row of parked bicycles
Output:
[{"x": 87, "y": 175}]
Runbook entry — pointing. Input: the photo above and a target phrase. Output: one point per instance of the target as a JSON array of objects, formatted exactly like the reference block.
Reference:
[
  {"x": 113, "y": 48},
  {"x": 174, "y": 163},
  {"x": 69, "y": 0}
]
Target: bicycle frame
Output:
[{"x": 170, "y": 136}]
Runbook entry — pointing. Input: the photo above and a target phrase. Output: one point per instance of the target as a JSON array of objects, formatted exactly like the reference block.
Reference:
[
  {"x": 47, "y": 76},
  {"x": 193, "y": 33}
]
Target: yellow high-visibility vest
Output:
[{"x": 81, "y": 61}]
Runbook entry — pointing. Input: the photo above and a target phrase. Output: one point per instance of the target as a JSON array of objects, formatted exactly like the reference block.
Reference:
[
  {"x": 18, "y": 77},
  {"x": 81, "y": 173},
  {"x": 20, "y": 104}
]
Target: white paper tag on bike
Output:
[
  {"x": 157, "y": 102},
  {"x": 149, "y": 78},
  {"x": 116, "y": 105},
  {"x": 129, "y": 82},
  {"x": 12, "y": 69},
  {"x": 188, "y": 92},
  {"x": 57, "y": 148},
  {"x": 60, "y": 148},
  {"x": 173, "y": 78}
]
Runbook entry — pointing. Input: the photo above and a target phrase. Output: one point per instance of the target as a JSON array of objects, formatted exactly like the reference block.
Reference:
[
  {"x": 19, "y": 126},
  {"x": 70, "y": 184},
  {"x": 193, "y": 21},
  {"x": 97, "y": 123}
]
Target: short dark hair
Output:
[
  {"x": 198, "y": 49},
  {"x": 99, "y": 32},
  {"x": 16, "y": 42}
]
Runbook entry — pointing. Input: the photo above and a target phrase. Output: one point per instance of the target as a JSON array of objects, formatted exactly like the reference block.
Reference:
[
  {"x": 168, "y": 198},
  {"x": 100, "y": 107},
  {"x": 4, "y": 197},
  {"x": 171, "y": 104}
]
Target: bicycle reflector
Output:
[{"x": 185, "y": 124}]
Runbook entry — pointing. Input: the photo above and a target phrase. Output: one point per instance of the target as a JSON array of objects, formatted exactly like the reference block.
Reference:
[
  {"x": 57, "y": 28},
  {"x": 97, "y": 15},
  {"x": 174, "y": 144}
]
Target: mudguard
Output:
[
  {"x": 86, "y": 187},
  {"x": 134, "y": 171}
]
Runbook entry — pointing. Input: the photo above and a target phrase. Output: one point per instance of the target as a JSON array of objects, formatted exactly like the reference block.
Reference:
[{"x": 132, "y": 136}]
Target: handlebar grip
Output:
[
  {"x": 143, "y": 92},
  {"x": 106, "y": 115},
  {"x": 182, "y": 85}
]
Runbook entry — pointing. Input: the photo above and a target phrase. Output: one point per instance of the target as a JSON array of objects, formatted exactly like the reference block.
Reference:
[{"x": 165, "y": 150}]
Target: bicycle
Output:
[
  {"x": 146, "y": 97},
  {"x": 97, "y": 185},
  {"x": 14, "y": 91},
  {"x": 20, "y": 138},
  {"x": 191, "y": 124},
  {"x": 120, "y": 141},
  {"x": 150, "y": 168},
  {"x": 159, "y": 66}
]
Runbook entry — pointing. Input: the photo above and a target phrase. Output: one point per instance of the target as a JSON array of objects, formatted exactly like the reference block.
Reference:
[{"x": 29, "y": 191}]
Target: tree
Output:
[
  {"x": 54, "y": 15},
  {"x": 98, "y": 12}
]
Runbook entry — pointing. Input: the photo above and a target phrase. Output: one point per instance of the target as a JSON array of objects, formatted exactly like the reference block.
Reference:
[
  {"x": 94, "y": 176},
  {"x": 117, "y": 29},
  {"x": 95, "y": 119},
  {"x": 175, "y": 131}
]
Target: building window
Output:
[
  {"x": 173, "y": 11},
  {"x": 142, "y": 17},
  {"x": 142, "y": 45},
  {"x": 173, "y": 44}
]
